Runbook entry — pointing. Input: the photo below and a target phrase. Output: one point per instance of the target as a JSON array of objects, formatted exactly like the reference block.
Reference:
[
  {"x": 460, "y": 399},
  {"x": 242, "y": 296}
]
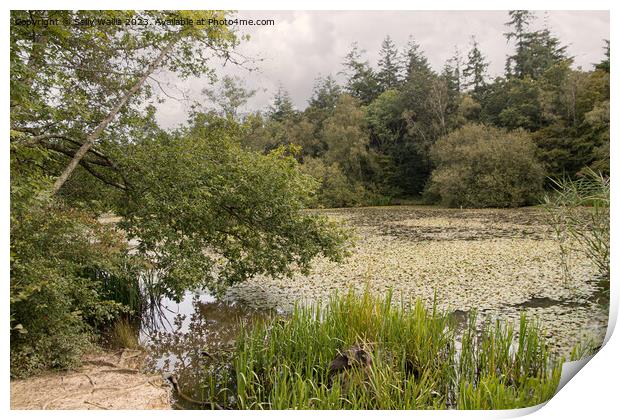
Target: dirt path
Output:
[{"x": 105, "y": 381}]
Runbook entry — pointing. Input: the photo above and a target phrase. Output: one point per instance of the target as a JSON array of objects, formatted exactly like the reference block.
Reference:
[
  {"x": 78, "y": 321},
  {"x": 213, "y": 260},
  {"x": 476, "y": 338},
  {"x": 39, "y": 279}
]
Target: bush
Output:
[
  {"x": 58, "y": 301},
  {"x": 484, "y": 166},
  {"x": 61, "y": 260},
  {"x": 335, "y": 190}
]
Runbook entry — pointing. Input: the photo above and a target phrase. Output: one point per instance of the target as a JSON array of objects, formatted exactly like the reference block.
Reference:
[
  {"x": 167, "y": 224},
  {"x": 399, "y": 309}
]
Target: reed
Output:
[
  {"x": 413, "y": 360},
  {"x": 579, "y": 213}
]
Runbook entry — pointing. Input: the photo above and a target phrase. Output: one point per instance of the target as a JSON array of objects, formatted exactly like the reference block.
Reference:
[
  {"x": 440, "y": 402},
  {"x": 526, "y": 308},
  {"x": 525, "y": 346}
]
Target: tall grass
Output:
[
  {"x": 579, "y": 212},
  {"x": 122, "y": 287},
  {"x": 499, "y": 369},
  {"x": 124, "y": 335},
  {"x": 414, "y": 362}
]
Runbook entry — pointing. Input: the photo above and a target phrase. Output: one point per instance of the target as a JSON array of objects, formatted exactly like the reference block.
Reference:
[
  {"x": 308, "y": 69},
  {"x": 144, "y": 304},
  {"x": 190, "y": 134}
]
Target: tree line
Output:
[{"x": 385, "y": 133}]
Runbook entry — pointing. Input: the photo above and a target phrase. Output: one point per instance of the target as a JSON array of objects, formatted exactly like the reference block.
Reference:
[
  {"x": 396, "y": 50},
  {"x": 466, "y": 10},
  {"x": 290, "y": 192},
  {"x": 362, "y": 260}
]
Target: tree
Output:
[
  {"x": 347, "y": 139},
  {"x": 204, "y": 210},
  {"x": 348, "y": 169},
  {"x": 519, "y": 22},
  {"x": 474, "y": 72},
  {"x": 576, "y": 132},
  {"x": 415, "y": 60},
  {"x": 199, "y": 190},
  {"x": 513, "y": 103},
  {"x": 281, "y": 107},
  {"x": 64, "y": 265},
  {"x": 385, "y": 122},
  {"x": 536, "y": 51},
  {"x": 335, "y": 189},
  {"x": 325, "y": 94},
  {"x": 81, "y": 63},
  {"x": 439, "y": 104},
  {"x": 604, "y": 64},
  {"x": 230, "y": 96},
  {"x": 423, "y": 104},
  {"x": 362, "y": 82},
  {"x": 389, "y": 65},
  {"x": 321, "y": 106},
  {"x": 483, "y": 166},
  {"x": 452, "y": 72}
]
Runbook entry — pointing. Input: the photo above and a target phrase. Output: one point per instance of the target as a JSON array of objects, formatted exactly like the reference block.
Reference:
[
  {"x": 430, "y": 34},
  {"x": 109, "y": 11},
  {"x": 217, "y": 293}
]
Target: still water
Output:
[{"x": 187, "y": 338}]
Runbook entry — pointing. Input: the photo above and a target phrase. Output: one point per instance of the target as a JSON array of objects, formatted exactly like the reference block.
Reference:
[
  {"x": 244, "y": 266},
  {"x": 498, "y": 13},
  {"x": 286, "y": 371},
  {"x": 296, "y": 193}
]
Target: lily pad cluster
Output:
[{"x": 499, "y": 263}]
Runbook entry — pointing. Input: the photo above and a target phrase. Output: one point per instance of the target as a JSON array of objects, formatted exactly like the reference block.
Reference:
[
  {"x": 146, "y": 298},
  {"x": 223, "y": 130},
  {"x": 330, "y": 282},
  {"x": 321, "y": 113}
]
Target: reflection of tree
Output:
[{"x": 197, "y": 345}]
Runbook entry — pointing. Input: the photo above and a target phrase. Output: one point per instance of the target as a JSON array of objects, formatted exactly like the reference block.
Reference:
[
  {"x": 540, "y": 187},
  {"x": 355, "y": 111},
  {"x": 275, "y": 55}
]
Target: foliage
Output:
[
  {"x": 61, "y": 258},
  {"x": 362, "y": 81},
  {"x": 282, "y": 107},
  {"x": 335, "y": 190},
  {"x": 284, "y": 363},
  {"x": 224, "y": 197},
  {"x": 69, "y": 90},
  {"x": 203, "y": 210},
  {"x": 389, "y": 65},
  {"x": 474, "y": 72},
  {"x": 407, "y": 107},
  {"x": 231, "y": 95},
  {"x": 536, "y": 50},
  {"x": 347, "y": 140},
  {"x": 481, "y": 166},
  {"x": 208, "y": 213}
]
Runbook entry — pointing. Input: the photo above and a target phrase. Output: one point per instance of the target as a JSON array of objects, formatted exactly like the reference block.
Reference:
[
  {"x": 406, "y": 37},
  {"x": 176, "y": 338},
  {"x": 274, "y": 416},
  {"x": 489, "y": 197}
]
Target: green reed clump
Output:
[
  {"x": 499, "y": 369},
  {"x": 414, "y": 362}
]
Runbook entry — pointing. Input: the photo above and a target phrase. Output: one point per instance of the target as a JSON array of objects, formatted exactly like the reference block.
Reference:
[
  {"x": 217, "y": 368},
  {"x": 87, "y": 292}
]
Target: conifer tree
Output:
[
  {"x": 474, "y": 72},
  {"x": 389, "y": 65},
  {"x": 281, "y": 107},
  {"x": 362, "y": 82}
]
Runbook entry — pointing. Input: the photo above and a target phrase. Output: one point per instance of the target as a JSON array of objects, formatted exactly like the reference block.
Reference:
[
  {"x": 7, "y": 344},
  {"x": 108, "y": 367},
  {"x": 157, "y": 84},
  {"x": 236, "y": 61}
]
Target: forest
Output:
[
  {"x": 400, "y": 129},
  {"x": 232, "y": 195}
]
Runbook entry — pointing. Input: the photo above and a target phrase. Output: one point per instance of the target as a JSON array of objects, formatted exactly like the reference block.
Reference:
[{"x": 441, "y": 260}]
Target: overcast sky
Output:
[{"x": 304, "y": 44}]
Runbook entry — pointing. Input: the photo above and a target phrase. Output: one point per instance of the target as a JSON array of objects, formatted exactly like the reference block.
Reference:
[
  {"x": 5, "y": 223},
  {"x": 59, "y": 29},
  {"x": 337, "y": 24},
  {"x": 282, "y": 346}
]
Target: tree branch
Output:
[
  {"x": 92, "y": 138},
  {"x": 100, "y": 177},
  {"x": 85, "y": 162}
]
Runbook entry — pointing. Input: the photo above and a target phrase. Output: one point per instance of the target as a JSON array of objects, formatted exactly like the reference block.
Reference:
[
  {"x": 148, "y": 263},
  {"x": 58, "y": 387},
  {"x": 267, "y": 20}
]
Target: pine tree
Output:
[
  {"x": 604, "y": 64},
  {"x": 519, "y": 22},
  {"x": 536, "y": 51},
  {"x": 415, "y": 60},
  {"x": 321, "y": 106},
  {"x": 362, "y": 81},
  {"x": 452, "y": 72},
  {"x": 325, "y": 93},
  {"x": 389, "y": 65},
  {"x": 282, "y": 107},
  {"x": 475, "y": 70}
]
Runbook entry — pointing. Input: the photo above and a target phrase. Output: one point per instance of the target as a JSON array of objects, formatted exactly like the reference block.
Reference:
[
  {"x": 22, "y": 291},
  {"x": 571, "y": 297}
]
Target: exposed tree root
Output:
[{"x": 175, "y": 384}]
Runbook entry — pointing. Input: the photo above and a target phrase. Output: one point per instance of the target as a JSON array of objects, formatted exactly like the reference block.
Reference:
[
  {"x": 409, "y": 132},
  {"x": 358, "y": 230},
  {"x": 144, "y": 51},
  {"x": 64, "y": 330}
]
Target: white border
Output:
[{"x": 593, "y": 393}]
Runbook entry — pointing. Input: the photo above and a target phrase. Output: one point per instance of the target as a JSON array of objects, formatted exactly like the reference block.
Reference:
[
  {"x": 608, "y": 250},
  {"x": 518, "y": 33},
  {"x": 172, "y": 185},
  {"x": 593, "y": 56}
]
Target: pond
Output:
[
  {"x": 499, "y": 263},
  {"x": 184, "y": 338}
]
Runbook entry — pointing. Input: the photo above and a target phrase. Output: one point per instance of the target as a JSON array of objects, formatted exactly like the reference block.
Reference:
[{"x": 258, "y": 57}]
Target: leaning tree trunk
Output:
[{"x": 92, "y": 137}]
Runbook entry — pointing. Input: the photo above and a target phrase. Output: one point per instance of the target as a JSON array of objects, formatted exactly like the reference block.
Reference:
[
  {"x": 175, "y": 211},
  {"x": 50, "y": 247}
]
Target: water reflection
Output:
[{"x": 191, "y": 337}]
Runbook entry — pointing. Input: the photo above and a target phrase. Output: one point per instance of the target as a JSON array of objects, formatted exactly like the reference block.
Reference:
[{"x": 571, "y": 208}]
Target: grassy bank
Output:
[{"x": 365, "y": 352}]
